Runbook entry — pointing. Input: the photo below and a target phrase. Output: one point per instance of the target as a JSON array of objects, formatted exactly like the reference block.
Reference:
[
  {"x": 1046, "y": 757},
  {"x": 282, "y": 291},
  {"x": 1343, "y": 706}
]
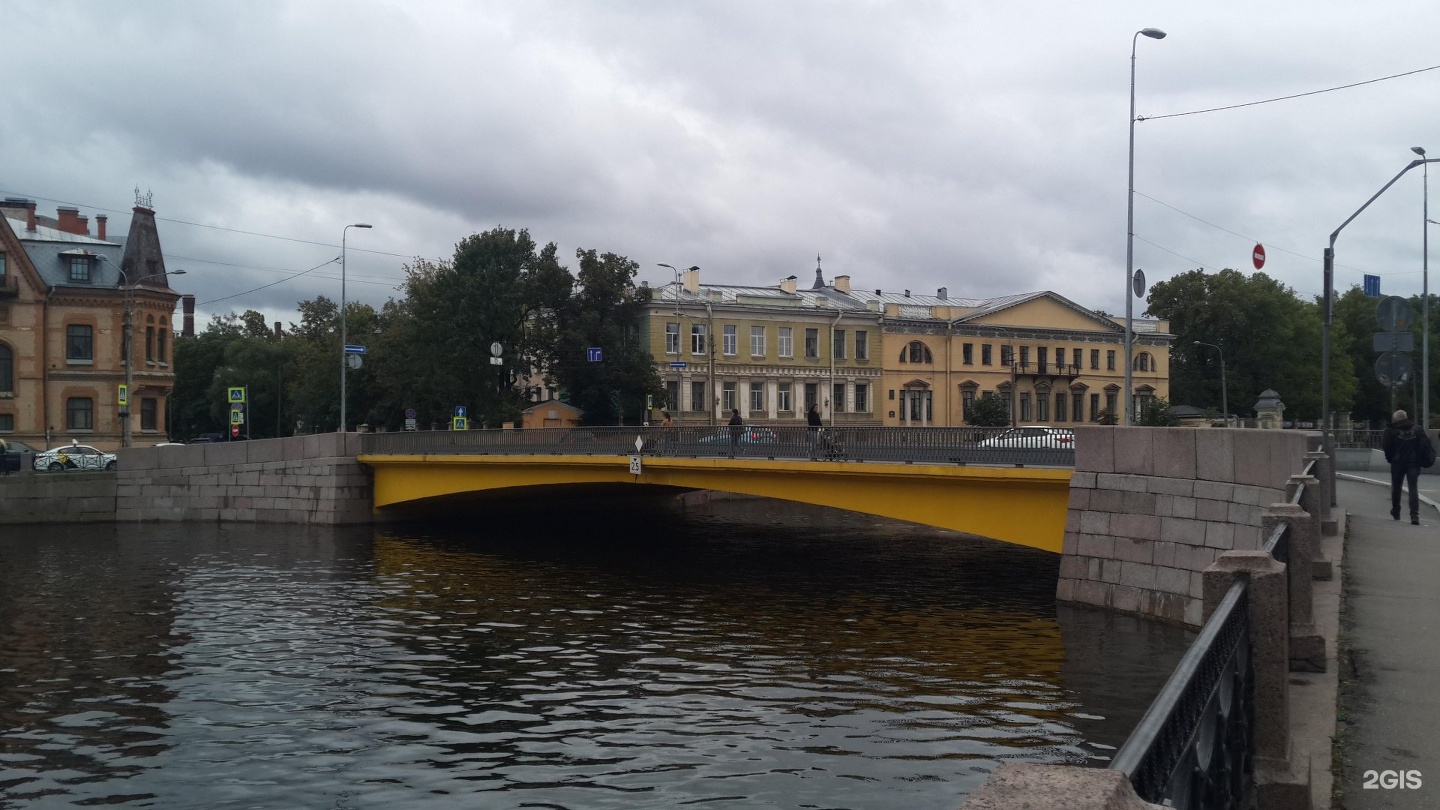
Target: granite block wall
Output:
[
  {"x": 1151, "y": 508},
  {"x": 71, "y": 497},
  {"x": 304, "y": 479}
]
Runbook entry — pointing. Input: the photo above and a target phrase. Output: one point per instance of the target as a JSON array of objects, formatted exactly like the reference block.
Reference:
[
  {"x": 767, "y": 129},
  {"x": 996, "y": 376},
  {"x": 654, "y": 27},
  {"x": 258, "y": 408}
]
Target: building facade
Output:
[{"x": 64, "y": 299}]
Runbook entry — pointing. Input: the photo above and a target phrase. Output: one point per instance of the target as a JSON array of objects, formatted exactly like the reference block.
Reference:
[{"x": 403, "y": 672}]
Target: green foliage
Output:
[
  {"x": 1155, "y": 412},
  {"x": 1106, "y": 418},
  {"x": 988, "y": 410}
]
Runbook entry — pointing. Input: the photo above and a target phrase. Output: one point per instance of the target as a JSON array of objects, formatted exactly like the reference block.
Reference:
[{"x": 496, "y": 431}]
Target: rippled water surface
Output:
[{"x": 617, "y": 655}]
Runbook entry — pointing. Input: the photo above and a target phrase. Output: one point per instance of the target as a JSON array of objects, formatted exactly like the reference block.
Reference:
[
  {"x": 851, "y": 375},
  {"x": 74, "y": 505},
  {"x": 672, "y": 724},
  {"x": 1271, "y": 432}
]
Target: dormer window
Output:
[{"x": 80, "y": 269}]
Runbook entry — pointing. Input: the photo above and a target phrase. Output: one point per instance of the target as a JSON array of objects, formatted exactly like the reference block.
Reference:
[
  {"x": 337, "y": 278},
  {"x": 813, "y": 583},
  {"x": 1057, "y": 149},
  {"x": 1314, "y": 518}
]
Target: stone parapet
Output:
[
  {"x": 69, "y": 497},
  {"x": 1151, "y": 508}
]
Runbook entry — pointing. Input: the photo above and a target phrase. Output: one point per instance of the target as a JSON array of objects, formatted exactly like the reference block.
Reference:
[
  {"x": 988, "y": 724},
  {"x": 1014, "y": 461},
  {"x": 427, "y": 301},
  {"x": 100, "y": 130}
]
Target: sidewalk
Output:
[{"x": 1391, "y": 700}]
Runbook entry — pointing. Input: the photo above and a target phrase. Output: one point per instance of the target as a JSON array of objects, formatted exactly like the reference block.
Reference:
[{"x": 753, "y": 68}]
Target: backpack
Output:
[{"x": 1427, "y": 453}]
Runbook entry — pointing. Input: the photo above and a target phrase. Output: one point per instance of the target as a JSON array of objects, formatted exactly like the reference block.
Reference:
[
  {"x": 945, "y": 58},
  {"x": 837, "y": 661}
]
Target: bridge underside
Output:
[{"x": 1025, "y": 506}]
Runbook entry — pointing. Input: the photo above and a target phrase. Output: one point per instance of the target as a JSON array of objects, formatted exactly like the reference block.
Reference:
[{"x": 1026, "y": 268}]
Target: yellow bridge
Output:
[{"x": 1022, "y": 505}]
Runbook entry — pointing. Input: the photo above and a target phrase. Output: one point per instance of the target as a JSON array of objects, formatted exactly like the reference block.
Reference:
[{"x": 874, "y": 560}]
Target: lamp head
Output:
[
  {"x": 175, "y": 272},
  {"x": 1153, "y": 33},
  {"x": 1419, "y": 150},
  {"x": 662, "y": 264}
]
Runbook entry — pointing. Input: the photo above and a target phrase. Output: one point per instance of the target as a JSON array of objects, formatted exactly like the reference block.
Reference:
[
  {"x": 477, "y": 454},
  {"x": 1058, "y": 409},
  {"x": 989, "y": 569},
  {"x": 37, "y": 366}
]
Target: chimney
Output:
[
  {"x": 100, "y": 227},
  {"x": 907, "y": 293},
  {"x": 30, "y": 216},
  {"x": 69, "y": 221},
  {"x": 278, "y": 333},
  {"x": 842, "y": 284},
  {"x": 690, "y": 280},
  {"x": 943, "y": 294},
  {"x": 187, "y": 305},
  {"x": 788, "y": 285}
]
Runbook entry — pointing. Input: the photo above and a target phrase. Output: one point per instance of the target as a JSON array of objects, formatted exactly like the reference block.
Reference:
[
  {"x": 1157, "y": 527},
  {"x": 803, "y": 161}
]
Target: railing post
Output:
[
  {"x": 1307, "y": 648},
  {"x": 1312, "y": 500},
  {"x": 1277, "y": 783},
  {"x": 1021, "y": 785},
  {"x": 1325, "y": 471}
]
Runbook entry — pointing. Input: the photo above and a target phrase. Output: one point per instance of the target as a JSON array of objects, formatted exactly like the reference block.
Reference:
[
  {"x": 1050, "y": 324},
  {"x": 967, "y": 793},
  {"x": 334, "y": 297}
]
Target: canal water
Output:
[{"x": 608, "y": 655}]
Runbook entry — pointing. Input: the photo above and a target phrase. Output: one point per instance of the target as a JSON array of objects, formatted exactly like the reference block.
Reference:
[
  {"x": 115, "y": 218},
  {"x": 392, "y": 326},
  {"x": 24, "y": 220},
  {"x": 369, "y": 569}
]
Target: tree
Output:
[
  {"x": 1155, "y": 412},
  {"x": 988, "y": 410}
]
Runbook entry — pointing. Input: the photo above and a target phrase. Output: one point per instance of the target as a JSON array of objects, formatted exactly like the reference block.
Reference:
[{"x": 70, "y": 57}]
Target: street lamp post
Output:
[
  {"x": 678, "y": 335},
  {"x": 128, "y": 293},
  {"x": 343, "y": 335},
  {"x": 1424, "y": 298},
  {"x": 1127, "y": 406},
  {"x": 1224, "y": 389}
]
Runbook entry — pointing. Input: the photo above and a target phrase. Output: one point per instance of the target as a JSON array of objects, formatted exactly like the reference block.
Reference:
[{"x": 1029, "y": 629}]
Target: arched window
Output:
[
  {"x": 916, "y": 352},
  {"x": 1144, "y": 362},
  {"x": 7, "y": 370}
]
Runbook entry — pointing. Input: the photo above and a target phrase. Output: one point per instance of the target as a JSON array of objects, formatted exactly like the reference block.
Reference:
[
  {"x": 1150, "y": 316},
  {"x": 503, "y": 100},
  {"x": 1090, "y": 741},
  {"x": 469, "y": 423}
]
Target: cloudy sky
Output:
[{"x": 911, "y": 144}]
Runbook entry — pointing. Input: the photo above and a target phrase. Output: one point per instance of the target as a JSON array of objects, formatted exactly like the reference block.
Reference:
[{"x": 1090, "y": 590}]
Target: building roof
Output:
[{"x": 50, "y": 250}]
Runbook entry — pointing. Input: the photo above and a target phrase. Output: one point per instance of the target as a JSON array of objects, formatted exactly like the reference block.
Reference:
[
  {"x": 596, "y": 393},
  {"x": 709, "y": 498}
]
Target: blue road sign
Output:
[
  {"x": 1372, "y": 286},
  {"x": 351, "y": 348},
  {"x": 593, "y": 354},
  {"x": 679, "y": 364},
  {"x": 459, "y": 411}
]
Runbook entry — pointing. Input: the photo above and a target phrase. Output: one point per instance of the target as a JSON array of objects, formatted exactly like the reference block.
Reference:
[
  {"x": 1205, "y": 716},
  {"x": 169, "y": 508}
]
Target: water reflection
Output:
[{"x": 614, "y": 655}]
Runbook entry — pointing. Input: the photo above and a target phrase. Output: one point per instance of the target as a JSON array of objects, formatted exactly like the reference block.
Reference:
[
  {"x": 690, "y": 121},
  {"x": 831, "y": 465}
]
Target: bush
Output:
[{"x": 989, "y": 410}]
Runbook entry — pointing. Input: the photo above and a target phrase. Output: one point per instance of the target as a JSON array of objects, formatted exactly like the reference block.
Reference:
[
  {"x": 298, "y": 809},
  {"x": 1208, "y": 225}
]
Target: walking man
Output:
[
  {"x": 1407, "y": 448},
  {"x": 737, "y": 429}
]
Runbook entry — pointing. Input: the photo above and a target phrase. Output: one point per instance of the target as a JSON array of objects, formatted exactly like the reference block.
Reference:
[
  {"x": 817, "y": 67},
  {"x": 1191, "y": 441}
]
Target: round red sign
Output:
[{"x": 1259, "y": 256}]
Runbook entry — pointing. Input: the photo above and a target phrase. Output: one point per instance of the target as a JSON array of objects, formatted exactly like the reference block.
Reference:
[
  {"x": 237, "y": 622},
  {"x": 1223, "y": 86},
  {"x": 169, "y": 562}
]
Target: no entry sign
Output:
[{"x": 1259, "y": 256}]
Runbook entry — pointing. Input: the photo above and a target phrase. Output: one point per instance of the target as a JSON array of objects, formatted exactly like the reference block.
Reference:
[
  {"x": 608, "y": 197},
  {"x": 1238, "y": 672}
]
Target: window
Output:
[
  {"x": 1025, "y": 406},
  {"x": 1062, "y": 408},
  {"x": 837, "y": 343},
  {"x": 1042, "y": 406},
  {"x": 697, "y": 397},
  {"x": 782, "y": 398},
  {"x": 160, "y": 347},
  {"x": 730, "y": 340},
  {"x": 1110, "y": 404},
  {"x": 1095, "y": 359},
  {"x": 727, "y": 396},
  {"x": 7, "y": 423},
  {"x": 1078, "y": 407},
  {"x": 1110, "y": 360},
  {"x": 757, "y": 341},
  {"x": 147, "y": 414},
  {"x": 1007, "y": 355},
  {"x": 892, "y": 394},
  {"x": 812, "y": 343},
  {"x": 862, "y": 345},
  {"x": 967, "y": 354},
  {"x": 812, "y": 395},
  {"x": 79, "y": 343},
  {"x": 1143, "y": 362},
  {"x": 149, "y": 344},
  {"x": 2, "y": 267},
  {"x": 79, "y": 413},
  {"x": 862, "y": 398},
  {"x": 1042, "y": 358},
  {"x": 672, "y": 395},
  {"x": 916, "y": 352},
  {"x": 79, "y": 270},
  {"x": 697, "y": 338},
  {"x": 672, "y": 338},
  {"x": 967, "y": 400},
  {"x": 7, "y": 370},
  {"x": 837, "y": 398},
  {"x": 1094, "y": 405},
  {"x": 1024, "y": 357},
  {"x": 757, "y": 397},
  {"x": 1079, "y": 360},
  {"x": 985, "y": 358},
  {"x": 787, "y": 343}
]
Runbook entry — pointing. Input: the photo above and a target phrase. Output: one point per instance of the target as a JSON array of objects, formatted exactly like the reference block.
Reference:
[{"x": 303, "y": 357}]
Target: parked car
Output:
[
  {"x": 74, "y": 456},
  {"x": 10, "y": 459},
  {"x": 1034, "y": 437},
  {"x": 750, "y": 435}
]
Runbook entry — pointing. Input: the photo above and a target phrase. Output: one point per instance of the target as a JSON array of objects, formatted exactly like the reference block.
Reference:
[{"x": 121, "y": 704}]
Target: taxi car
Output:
[{"x": 74, "y": 456}]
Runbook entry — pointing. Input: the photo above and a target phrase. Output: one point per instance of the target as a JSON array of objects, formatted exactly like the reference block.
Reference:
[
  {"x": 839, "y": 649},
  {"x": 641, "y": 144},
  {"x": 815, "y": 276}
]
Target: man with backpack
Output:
[{"x": 1408, "y": 449}]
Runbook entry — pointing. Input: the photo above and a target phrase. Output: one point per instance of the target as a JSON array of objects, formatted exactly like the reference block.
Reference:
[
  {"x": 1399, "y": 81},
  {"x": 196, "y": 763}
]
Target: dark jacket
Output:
[
  {"x": 812, "y": 418},
  {"x": 1405, "y": 444}
]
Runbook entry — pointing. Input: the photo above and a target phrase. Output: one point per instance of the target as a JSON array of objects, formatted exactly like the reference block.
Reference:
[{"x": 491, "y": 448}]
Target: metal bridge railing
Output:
[
  {"x": 933, "y": 445},
  {"x": 1193, "y": 748}
]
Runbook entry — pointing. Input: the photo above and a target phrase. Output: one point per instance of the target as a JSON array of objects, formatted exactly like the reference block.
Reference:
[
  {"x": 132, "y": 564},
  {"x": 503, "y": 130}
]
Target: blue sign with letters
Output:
[
  {"x": 351, "y": 348},
  {"x": 678, "y": 364},
  {"x": 593, "y": 354},
  {"x": 1372, "y": 286}
]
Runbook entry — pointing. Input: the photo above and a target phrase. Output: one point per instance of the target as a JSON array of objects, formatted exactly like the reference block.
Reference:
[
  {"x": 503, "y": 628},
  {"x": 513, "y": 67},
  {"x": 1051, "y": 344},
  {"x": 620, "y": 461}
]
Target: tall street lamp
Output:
[
  {"x": 678, "y": 383},
  {"x": 343, "y": 336},
  {"x": 128, "y": 290},
  {"x": 1128, "y": 407},
  {"x": 1424, "y": 298},
  {"x": 1224, "y": 388}
]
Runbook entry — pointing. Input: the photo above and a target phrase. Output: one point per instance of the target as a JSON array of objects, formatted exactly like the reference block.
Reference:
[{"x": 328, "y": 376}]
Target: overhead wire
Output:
[{"x": 1287, "y": 98}]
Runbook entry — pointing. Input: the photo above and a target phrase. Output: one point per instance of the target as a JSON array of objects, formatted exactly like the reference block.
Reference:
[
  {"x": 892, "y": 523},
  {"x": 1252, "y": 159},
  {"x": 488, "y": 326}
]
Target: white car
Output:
[
  {"x": 74, "y": 456},
  {"x": 1034, "y": 437}
]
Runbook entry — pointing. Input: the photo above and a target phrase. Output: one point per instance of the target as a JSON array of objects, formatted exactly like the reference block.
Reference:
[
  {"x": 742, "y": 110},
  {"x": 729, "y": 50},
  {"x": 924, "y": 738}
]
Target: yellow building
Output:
[
  {"x": 770, "y": 352},
  {"x": 893, "y": 358},
  {"x": 64, "y": 295}
]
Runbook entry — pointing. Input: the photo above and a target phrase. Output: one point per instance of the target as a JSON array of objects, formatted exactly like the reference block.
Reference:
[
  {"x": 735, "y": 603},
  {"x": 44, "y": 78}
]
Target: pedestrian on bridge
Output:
[
  {"x": 814, "y": 423},
  {"x": 737, "y": 429},
  {"x": 1407, "y": 448},
  {"x": 667, "y": 433}
]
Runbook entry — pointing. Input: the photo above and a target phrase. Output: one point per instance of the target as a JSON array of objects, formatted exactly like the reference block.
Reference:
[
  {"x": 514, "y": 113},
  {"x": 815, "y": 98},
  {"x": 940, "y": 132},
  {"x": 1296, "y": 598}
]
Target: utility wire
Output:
[
  {"x": 271, "y": 284},
  {"x": 1287, "y": 98}
]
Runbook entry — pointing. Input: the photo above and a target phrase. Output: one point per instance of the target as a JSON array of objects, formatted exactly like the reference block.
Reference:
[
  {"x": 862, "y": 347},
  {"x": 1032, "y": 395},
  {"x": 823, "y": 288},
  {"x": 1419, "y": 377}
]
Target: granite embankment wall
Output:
[
  {"x": 304, "y": 479},
  {"x": 57, "y": 497},
  {"x": 1151, "y": 508}
]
